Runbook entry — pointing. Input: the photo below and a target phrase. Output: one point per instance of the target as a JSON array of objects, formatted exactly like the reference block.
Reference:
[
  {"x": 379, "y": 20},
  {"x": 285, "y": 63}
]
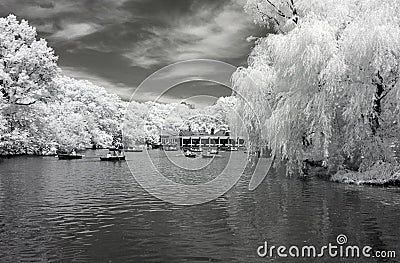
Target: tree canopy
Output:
[
  {"x": 40, "y": 109},
  {"x": 330, "y": 74}
]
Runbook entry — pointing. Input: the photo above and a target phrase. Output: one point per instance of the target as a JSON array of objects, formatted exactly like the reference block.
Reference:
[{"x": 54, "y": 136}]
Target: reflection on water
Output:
[
  {"x": 176, "y": 167},
  {"x": 86, "y": 210}
]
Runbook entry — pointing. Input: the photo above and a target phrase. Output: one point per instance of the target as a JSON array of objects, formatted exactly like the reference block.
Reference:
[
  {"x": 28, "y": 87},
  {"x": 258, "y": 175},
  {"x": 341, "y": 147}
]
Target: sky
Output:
[{"x": 117, "y": 44}]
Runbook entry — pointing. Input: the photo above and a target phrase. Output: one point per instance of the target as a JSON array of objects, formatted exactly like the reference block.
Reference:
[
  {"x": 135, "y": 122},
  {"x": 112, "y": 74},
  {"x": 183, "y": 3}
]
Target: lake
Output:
[{"x": 91, "y": 211}]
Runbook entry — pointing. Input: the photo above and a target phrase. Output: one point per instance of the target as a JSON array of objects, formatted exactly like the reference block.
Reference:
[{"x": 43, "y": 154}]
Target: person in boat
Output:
[
  {"x": 108, "y": 155},
  {"x": 73, "y": 152}
]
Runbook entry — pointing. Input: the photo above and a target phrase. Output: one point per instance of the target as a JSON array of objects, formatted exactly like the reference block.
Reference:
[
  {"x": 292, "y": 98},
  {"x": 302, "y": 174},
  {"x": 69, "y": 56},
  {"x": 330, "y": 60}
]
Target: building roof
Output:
[
  {"x": 186, "y": 133},
  {"x": 169, "y": 133}
]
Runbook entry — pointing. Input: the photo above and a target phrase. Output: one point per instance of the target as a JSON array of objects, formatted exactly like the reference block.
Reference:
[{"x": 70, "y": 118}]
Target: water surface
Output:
[{"x": 91, "y": 211}]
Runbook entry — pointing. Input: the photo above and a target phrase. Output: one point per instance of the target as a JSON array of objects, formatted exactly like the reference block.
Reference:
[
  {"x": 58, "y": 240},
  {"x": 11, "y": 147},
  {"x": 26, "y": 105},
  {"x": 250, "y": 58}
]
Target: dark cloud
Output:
[
  {"x": 44, "y": 4},
  {"x": 119, "y": 43}
]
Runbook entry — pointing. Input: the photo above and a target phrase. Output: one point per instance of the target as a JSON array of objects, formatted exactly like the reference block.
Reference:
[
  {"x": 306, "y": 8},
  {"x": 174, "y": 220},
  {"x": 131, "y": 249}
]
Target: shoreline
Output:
[
  {"x": 380, "y": 175},
  {"x": 360, "y": 180}
]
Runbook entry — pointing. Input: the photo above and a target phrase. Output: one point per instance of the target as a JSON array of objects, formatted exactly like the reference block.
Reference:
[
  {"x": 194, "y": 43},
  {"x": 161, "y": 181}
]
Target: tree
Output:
[
  {"x": 27, "y": 69},
  {"x": 86, "y": 114},
  {"x": 27, "y": 65},
  {"x": 330, "y": 73},
  {"x": 134, "y": 123},
  {"x": 41, "y": 110}
]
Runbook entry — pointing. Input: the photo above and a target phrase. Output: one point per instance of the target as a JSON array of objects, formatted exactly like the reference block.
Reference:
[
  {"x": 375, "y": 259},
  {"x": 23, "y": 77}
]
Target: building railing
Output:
[{"x": 204, "y": 141}]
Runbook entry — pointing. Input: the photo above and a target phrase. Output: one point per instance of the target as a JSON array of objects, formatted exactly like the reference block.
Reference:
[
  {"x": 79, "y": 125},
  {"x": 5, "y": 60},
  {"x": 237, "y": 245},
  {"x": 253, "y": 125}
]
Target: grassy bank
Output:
[{"x": 381, "y": 174}]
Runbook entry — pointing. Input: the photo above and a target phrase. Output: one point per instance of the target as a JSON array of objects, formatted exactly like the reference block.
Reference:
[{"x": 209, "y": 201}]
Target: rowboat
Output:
[
  {"x": 170, "y": 149},
  {"x": 232, "y": 149},
  {"x": 189, "y": 154},
  {"x": 207, "y": 155},
  {"x": 134, "y": 150},
  {"x": 112, "y": 158},
  {"x": 197, "y": 150},
  {"x": 69, "y": 156}
]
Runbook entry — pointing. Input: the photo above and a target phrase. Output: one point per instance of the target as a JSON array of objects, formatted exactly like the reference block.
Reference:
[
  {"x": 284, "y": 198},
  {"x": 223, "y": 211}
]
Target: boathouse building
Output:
[{"x": 185, "y": 139}]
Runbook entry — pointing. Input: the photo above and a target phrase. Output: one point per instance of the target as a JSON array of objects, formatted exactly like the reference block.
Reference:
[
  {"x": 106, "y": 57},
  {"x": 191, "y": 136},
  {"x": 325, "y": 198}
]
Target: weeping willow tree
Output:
[{"x": 329, "y": 72}]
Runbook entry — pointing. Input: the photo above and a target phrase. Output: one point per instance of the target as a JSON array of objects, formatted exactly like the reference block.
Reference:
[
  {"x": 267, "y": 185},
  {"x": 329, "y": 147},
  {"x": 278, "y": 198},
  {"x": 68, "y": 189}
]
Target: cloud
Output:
[
  {"x": 117, "y": 44},
  {"x": 39, "y": 9},
  {"x": 185, "y": 80},
  {"x": 67, "y": 19},
  {"x": 205, "y": 34},
  {"x": 74, "y": 31}
]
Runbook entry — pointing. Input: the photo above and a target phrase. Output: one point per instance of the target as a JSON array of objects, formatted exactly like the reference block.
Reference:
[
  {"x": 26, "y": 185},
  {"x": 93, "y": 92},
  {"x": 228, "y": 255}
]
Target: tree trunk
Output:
[{"x": 377, "y": 107}]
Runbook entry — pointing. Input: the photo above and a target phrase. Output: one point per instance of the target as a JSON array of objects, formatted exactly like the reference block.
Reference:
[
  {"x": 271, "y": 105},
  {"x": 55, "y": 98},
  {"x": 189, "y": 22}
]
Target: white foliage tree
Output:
[
  {"x": 330, "y": 74},
  {"x": 27, "y": 65},
  {"x": 40, "y": 109},
  {"x": 87, "y": 114},
  {"x": 134, "y": 123}
]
